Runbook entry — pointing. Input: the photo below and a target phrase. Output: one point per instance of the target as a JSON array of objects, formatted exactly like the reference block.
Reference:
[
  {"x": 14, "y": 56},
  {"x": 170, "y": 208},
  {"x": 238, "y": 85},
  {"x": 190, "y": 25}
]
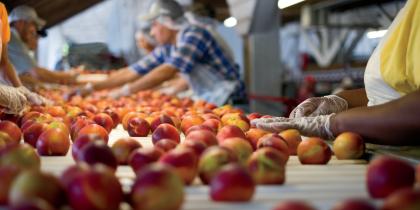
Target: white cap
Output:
[
  {"x": 168, "y": 8},
  {"x": 27, "y": 13}
]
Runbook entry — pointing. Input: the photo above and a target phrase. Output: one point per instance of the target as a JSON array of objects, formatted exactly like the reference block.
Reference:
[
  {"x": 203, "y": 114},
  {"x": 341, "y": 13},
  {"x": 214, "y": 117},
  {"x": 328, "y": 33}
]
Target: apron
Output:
[
  {"x": 207, "y": 84},
  {"x": 390, "y": 72},
  {"x": 210, "y": 86}
]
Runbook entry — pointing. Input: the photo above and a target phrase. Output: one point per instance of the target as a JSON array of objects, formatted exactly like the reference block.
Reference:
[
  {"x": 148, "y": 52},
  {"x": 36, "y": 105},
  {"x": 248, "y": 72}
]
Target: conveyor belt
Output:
[{"x": 320, "y": 185}]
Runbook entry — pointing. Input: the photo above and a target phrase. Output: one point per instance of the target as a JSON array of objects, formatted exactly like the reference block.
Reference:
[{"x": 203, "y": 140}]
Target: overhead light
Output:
[
  {"x": 230, "y": 22},
  {"x": 287, "y": 3},
  {"x": 376, "y": 34}
]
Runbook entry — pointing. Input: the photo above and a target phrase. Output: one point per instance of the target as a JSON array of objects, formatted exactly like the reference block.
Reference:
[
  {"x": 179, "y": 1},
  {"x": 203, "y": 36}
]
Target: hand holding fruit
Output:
[{"x": 81, "y": 91}]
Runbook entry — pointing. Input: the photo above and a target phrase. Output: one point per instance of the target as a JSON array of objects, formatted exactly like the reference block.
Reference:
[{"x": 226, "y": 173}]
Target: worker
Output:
[
  {"x": 146, "y": 43},
  {"x": 25, "y": 24},
  {"x": 183, "y": 47},
  {"x": 387, "y": 110},
  {"x": 12, "y": 99}
]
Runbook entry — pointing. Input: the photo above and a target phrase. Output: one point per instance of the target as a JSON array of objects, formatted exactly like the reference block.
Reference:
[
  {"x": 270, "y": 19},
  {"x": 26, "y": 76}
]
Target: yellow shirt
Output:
[
  {"x": 400, "y": 55},
  {"x": 5, "y": 29}
]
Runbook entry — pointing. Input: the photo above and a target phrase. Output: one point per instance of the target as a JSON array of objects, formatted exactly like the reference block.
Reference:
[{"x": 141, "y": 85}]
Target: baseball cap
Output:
[
  {"x": 24, "y": 12},
  {"x": 169, "y": 8}
]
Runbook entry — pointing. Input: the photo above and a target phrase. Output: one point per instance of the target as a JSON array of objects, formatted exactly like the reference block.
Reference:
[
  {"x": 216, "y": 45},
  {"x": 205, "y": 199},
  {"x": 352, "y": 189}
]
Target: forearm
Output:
[
  {"x": 393, "y": 123},
  {"x": 117, "y": 79},
  {"x": 12, "y": 75},
  {"x": 180, "y": 84},
  {"x": 46, "y": 75},
  {"x": 154, "y": 78},
  {"x": 354, "y": 98},
  {"x": 30, "y": 82}
]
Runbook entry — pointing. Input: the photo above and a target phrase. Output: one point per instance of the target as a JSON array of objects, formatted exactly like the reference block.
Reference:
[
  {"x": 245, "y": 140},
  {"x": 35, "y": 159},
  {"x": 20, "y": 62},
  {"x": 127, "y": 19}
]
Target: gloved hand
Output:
[
  {"x": 11, "y": 99},
  {"x": 171, "y": 91},
  {"x": 120, "y": 92},
  {"x": 81, "y": 91},
  {"x": 85, "y": 90},
  {"x": 308, "y": 126},
  {"x": 34, "y": 98},
  {"x": 319, "y": 106}
]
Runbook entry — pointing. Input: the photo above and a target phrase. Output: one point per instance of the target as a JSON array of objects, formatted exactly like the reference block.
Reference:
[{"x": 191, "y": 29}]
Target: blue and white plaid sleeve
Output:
[
  {"x": 190, "y": 48},
  {"x": 150, "y": 61}
]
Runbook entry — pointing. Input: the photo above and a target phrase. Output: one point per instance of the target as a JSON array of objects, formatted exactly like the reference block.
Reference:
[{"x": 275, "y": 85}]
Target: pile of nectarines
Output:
[{"x": 221, "y": 149}]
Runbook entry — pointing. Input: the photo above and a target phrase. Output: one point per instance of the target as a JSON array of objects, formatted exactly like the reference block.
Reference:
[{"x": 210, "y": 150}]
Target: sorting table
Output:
[{"x": 320, "y": 185}]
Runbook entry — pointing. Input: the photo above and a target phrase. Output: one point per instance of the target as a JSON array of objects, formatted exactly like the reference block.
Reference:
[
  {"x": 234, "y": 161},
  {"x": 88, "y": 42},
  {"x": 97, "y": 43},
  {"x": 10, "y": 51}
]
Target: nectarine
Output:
[
  {"x": 184, "y": 162},
  {"x": 165, "y": 131},
  {"x": 157, "y": 186},
  {"x": 314, "y": 151},
  {"x": 292, "y": 138},
  {"x": 232, "y": 183},
  {"x": 394, "y": 174},
  {"x": 212, "y": 159},
  {"x": 267, "y": 166},
  {"x": 348, "y": 145},
  {"x": 122, "y": 149}
]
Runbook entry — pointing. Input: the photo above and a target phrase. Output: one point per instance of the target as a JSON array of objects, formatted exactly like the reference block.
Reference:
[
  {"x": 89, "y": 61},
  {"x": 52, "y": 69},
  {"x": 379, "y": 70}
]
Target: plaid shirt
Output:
[{"x": 195, "y": 46}]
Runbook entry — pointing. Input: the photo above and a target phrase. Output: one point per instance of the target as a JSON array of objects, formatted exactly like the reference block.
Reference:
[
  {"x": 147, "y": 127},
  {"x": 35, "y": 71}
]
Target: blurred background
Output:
[{"x": 288, "y": 50}]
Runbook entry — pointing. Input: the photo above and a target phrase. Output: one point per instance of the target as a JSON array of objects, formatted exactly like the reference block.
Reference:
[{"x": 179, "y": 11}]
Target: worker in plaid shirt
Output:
[{"x": 197, "y": 52}]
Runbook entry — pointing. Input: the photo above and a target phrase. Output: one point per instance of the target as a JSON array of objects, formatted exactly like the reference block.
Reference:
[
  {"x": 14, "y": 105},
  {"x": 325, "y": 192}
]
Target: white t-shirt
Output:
[{"x": 19, "y": 54}]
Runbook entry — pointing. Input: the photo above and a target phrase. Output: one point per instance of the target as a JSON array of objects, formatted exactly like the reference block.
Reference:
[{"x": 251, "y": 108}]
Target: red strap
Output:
[
  {"x": 289, "y": 102},
  {"x": 271, "y": 98}
]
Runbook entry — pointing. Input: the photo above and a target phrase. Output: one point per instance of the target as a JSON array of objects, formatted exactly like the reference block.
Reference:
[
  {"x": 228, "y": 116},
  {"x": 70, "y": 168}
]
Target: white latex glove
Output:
[
  {"x": 34, "y": 98},
  {"x": 168, "y": 90},
  {"x": 11, "y": 99},
  {"x": 319, "y": 106},
  {"x": 308, "y": 126},
  {"x": 118, "y": 93},
  {"x": 83, "y": 91}
]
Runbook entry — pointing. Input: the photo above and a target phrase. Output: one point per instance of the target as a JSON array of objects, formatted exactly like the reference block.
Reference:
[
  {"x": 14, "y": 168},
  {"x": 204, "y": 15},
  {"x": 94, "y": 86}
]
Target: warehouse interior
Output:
[
  {"x": 210, "y": 104},
  {"x": 335, "y": 39}
]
